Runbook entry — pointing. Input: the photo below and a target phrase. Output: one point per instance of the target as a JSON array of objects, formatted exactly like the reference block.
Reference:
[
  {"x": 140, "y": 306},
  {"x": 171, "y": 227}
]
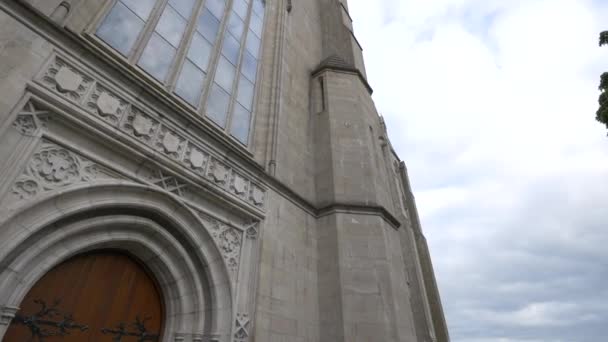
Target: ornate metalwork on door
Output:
[
  {"x": 139, "y": 325},
  {"x": 42, "y": 325}
]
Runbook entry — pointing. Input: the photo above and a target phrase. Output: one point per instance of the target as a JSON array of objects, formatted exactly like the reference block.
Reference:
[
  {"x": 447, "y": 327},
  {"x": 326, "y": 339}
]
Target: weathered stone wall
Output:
[{"x": 307, "y": 235}]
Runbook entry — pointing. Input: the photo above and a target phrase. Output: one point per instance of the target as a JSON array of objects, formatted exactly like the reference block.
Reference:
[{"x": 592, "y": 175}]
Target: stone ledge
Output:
[
  {"x": 336, "y": 63},
  {"x": 360, "y": 209}
]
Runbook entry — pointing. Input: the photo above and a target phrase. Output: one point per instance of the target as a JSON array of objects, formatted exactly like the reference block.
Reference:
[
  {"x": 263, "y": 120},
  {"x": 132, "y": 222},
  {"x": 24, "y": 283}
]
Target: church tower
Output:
[{"x": 201, "y": 171}]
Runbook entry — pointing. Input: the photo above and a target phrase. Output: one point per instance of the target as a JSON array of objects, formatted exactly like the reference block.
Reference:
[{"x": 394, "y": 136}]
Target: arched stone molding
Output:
[{"x": 150, "y": 224}]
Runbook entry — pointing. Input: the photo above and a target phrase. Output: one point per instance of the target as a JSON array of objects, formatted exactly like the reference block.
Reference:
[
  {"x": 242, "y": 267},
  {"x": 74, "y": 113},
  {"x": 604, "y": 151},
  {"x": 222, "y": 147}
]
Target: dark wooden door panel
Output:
[{"x": 99, "y": 290}]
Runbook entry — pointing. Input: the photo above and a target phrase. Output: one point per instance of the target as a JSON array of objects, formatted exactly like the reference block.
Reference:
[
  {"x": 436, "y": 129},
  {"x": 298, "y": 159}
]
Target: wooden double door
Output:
[{"x": 99, "y": 296}]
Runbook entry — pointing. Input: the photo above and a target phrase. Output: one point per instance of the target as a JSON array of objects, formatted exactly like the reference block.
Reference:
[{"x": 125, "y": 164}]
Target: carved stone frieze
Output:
[
  {"x": 108, "y": 105},
  {"x": 239, "y": 185},
  {"x": 257, "y": 196},
  {"x": 170, "y": 143},
  {"x": 197, "y": 159},
  {"x": 145, "y": 126},
  {"x": 141, "y": 125},
  {"x": 52, "y": 167},
  {"x": 218, "y": 172},
  {"x": 66, "y": 80}
]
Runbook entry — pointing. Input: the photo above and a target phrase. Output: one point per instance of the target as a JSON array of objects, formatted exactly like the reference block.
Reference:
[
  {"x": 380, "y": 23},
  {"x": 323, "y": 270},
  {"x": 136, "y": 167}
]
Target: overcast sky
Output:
[{"x": 491, "y": 103}]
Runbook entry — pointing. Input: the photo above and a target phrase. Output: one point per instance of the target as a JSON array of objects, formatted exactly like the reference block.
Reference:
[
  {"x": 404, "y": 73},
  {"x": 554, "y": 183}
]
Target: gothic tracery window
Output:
[{"x": 204, "y": 51}]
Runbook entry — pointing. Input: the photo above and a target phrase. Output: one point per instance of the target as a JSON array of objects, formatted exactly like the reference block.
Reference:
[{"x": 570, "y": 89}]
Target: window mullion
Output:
[
  {"x": 182, "y": 52},
  {"x": 217, "y": 52},
  {"x": 237, "y": 72},
  {"x": 141, "y": 43}
]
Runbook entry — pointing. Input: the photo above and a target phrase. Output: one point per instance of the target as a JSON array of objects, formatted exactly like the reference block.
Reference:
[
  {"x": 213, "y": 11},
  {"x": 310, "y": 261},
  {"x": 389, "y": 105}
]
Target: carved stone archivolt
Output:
[
  {"x": 97, "y": 98},
  {"x": 52, "y": 167}
]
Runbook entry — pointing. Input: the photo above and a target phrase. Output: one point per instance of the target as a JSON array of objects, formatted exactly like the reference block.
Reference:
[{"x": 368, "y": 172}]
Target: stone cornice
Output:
[
  {"x": 335, "y": 63},
  {"x": 348, "y": 208}
]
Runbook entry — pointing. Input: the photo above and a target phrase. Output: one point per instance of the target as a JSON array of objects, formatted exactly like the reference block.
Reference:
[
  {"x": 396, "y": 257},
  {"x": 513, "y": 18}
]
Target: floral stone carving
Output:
[
  {"x": 25, "y": 124},
  {"x": 53, "y": 167},
  {"x": 228, "y": 240}
]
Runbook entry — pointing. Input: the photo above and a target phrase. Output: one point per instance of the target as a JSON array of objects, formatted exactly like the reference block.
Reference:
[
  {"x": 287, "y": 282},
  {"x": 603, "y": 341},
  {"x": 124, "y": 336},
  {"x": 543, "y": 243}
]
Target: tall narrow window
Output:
[
  {"x": 194, "y": 48},
  {"x": 194, "y": 71},
  {"x": 243, "y": 107}
]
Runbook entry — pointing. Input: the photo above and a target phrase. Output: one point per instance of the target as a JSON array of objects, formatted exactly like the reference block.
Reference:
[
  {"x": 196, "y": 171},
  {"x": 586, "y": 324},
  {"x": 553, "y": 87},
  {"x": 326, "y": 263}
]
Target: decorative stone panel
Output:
[
  {"x": 108, "y": 105},
  {"x": 53, "y": 167},
  {"x": 66, "y": 80},
  {"x": 31, "y": 119},
  {"x": 170, "y": 143},
  {"x": 241, "y": 329},
  {"x": 140, "y": 125},
  {"x": 196, "y": 159},
  {"x": 228, "y": 240},
  {"x": 147, "y": 127},
  {"x": 165, "y": 181}
]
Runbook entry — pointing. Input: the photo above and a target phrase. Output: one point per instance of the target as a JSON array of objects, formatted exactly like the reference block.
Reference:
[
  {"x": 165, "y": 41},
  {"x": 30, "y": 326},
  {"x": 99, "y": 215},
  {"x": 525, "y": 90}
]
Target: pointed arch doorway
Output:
[{"x": 98, "y": 296}]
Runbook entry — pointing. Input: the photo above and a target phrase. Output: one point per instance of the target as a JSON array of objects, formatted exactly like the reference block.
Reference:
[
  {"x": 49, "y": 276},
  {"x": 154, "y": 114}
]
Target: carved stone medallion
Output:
[
  {"x": 218, "y": 172},
  {"x": 257, "y": 196},
  {"x": 239, "y": 184},
  {"x": 171, "y": 142},
  {"x": 142, "y": 125},
  {"x": 197, "y": 159},
  {"x": 107, "y": 104},
  {"x": 67, "y": 80}
]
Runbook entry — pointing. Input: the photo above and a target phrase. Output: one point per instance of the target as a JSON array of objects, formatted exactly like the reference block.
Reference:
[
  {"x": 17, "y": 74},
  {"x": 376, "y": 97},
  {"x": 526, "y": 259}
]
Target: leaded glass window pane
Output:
[
  {"x": 190, "y": 83},
  {"x": 217, "y": 105},
  {"x": 240, "y": 7},
  {"x": 142, "y": 8},
  {"x": 120, "y": 28},
  {"x": 235, "y": 25},
  {"x": 255, "y": 24},
  {"x": 231, "y": 49},
  {"x": 171, "y": 26},
  {"x": 224, "y": 75},
  {"x": 249, "y": 66},
  {"x": 216, "y": 7},
  {"x": 245, "y": 93},
  {"x": 200, "y": 51},
  {"x": 237, "y": 57},
  {"x": 184, "y": 7},
  {"x": 258, "y": 8},
  {"x": 157, "y": 57},
  {"x": 208, "y": 25},
  {"x": 253, "y": 44},
  {"x": 239, "y": 127}
]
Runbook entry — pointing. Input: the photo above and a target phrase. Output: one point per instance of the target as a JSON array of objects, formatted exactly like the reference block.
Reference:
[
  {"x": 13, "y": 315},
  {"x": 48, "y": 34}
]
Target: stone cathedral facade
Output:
[{"x": 201, "y": 170}]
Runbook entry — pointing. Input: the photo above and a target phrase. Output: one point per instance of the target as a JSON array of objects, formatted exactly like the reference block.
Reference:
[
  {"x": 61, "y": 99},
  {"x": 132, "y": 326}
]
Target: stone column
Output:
[{"x": 7, "y": 313}]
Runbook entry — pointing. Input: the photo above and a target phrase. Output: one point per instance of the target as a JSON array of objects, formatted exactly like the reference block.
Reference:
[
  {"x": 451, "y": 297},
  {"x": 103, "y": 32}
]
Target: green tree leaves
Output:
[{"x": 602, "y": 113}]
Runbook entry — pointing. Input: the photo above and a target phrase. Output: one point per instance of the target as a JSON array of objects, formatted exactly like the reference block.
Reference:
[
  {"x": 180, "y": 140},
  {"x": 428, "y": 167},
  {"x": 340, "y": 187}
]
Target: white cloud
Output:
[{"x": 491, "y": 104}]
